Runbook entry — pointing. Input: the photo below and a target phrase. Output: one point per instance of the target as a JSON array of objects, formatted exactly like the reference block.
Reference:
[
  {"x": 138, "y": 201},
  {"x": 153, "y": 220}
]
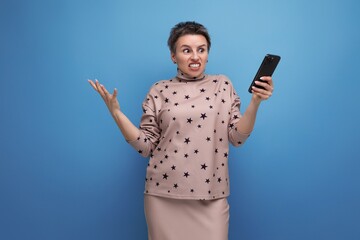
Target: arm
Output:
[
  {"x": 127, "y": 128},
  {"x": 247, "y": 121}
]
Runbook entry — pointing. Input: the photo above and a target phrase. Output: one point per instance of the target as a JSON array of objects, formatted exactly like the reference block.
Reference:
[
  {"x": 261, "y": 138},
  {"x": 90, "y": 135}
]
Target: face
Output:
[{"x": 191, "y": 54}]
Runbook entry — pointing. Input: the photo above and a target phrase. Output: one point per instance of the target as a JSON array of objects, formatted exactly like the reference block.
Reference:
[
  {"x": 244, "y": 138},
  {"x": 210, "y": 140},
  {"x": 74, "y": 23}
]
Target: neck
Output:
[{"x": 183, "y": 76}]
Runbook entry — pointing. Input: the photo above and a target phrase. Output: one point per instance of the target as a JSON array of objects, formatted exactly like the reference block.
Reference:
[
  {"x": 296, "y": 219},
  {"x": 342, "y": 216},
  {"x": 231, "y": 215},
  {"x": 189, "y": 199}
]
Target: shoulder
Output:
[
  {"x": 159, "y": 86},
  {"x": 221, "y": 79},
  {"x": 161, "y": 83}
]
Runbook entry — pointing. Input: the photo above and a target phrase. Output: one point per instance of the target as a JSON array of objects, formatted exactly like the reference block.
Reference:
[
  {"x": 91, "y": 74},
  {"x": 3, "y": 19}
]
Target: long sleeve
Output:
[
  {"x": 149, "y": 129},
  {"x": 235, "y": 137}
]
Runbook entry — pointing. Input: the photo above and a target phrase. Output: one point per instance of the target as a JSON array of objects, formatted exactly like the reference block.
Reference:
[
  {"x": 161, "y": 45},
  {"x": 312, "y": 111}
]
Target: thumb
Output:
[{"x": 115, "y": 92}]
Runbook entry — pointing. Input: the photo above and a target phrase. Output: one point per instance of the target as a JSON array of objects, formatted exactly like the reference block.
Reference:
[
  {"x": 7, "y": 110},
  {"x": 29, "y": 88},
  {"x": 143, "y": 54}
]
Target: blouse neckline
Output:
[{"x": 182, "y": 76}]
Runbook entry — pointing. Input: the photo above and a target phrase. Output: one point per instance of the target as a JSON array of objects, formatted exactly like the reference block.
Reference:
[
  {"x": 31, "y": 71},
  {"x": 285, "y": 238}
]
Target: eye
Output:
[
  {"x": 186, "y": 50},
  {"x": 201, "y": 50}
]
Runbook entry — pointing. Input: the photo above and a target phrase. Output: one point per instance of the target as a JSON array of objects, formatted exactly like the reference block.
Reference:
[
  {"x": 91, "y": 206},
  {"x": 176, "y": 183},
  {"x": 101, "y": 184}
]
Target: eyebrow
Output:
[{"x": 203, "y": 45}]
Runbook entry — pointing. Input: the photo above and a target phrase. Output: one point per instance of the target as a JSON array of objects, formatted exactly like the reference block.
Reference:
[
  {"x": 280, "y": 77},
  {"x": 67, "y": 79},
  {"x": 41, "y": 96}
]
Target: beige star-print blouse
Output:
[{"x": 186, "y": 128}]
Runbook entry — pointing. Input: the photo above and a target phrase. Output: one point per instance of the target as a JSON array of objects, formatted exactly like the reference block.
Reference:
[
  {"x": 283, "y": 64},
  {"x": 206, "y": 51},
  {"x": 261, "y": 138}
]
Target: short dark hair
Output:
[{"x": 185, "y": 28}]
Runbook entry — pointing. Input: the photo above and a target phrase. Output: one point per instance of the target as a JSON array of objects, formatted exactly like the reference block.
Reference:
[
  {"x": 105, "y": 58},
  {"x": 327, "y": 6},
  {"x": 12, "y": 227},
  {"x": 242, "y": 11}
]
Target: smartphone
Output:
[{"x": 266, "y": 68}]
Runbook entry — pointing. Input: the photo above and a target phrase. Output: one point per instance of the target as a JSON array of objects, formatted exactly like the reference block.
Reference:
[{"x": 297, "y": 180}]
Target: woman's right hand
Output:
[{"x": 109, "y": 99}]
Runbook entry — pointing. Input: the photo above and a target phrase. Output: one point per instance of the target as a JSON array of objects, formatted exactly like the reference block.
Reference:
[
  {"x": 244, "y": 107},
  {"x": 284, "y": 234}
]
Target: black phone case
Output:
[{"x": 266, "y": 68}]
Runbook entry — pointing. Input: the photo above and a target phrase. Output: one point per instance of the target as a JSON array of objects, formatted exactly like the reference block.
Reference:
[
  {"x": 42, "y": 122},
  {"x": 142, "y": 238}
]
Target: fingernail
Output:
[{"x": 262, "y": 78}]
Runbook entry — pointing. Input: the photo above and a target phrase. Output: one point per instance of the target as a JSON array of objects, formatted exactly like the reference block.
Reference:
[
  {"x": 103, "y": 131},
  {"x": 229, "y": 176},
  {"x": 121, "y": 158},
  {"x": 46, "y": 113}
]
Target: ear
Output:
[{"x": 172, "y": 55}]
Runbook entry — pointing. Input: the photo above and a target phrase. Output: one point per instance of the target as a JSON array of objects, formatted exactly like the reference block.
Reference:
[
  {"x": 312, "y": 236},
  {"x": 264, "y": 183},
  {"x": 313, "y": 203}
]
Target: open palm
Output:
[{"x": 110, "y": 99}]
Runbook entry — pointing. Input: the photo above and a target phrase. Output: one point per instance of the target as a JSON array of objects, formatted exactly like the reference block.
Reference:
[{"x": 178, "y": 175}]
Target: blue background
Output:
[{"x": 66, "y": 171}]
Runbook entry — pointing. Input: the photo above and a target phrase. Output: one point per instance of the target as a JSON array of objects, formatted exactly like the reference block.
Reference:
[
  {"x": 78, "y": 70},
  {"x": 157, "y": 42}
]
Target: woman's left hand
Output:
[{"x": 263, "y": 94}]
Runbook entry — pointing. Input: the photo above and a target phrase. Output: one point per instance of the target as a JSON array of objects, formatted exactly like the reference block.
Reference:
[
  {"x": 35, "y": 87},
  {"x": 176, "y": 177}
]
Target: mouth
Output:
[{"x": 194, "y": 66}]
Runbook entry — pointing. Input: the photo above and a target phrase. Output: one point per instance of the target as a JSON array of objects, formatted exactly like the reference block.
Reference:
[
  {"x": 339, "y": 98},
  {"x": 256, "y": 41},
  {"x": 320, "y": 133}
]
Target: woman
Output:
[{"x": 186, "y": 126}]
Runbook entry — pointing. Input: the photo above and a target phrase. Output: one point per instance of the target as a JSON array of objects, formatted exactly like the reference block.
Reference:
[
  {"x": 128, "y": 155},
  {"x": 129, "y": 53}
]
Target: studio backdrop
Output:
[{"x": 66, "y": 171}]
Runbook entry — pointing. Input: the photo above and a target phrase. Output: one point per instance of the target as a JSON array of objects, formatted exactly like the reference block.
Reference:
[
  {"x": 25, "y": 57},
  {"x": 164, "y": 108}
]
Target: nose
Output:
[{"x": 195, "y": 56}]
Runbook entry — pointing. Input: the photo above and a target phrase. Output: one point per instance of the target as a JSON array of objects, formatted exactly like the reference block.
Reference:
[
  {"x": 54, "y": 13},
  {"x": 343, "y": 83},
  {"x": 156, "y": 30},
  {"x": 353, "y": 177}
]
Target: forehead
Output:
[{"x": 192, "y": 40}]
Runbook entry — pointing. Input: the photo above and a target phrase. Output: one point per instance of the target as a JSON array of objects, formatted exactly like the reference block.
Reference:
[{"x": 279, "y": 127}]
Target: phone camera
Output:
[{"x": 269, "y": 59}]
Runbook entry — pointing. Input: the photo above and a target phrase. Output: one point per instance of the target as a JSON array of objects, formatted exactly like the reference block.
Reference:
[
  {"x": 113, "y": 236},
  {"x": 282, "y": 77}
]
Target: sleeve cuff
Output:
[{"x": 237, "y": 138}]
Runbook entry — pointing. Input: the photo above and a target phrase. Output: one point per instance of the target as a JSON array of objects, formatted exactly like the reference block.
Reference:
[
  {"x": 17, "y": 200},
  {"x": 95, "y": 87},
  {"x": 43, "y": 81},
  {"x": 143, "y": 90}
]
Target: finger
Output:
[
  {"x": 98, "y": 86},
  {"x": 92, "y": 84},
  {"x": 105, "y": 90},
  {"x": 261, "y": 96},
  {"x": 267, "y": 85},
  {"x": 268, "y": 80},
  {"x": 262, "y": 92},
  {"x": 115, "y": 93}
]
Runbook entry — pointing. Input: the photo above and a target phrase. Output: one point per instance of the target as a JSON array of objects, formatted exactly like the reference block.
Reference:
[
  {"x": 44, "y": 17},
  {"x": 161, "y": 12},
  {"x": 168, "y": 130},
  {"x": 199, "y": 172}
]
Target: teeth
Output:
[{"x": 195, "y": 65}]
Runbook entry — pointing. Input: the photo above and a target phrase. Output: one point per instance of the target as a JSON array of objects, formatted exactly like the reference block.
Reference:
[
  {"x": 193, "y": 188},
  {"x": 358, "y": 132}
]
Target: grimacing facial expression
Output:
[{"x": 191, "y": 54}]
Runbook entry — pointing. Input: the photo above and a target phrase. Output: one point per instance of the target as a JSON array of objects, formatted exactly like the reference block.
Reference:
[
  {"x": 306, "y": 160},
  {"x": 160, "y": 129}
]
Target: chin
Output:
[{"x": 196, "y": 74}]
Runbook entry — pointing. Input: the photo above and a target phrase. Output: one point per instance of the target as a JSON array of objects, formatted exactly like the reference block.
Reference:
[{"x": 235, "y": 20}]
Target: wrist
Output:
[
  {"x": 117, "y": 114},
  {"x": 256, "y": 100}
]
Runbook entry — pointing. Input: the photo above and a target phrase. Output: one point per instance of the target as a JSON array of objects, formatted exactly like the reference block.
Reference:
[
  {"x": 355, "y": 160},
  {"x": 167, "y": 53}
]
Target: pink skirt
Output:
[{"x": 175, "y": 219}]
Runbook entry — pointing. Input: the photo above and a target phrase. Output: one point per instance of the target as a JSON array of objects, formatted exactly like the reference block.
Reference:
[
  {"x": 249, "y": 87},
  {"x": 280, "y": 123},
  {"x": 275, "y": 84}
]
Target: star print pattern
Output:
[{"x": 186, "y": 128}]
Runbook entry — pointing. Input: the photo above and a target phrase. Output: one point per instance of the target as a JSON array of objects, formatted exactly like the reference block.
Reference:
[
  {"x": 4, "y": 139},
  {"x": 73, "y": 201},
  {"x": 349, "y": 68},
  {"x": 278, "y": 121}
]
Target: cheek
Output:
[
  {"x": 206, "y": 56},
  {"x": 181, "y": 59},
  {"x": 205, "y": 60}
]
